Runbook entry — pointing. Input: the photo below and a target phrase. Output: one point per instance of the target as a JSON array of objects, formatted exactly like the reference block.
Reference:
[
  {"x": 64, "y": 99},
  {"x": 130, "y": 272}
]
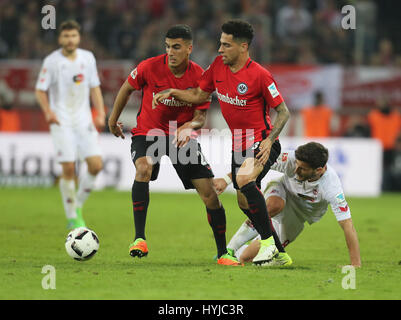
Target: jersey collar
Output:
[{"x": 245, "y": 66}]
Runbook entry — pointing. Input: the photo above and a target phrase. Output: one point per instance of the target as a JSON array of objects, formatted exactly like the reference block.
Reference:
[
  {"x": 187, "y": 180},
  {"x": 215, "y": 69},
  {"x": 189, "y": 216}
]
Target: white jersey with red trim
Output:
[
  {"x": 310, "y": 200},
  {"x": 68, "y": 83}
]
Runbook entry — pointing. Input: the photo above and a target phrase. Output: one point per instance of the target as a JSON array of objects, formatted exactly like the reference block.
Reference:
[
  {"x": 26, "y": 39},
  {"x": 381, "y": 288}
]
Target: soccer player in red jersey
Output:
[
  {"x": 246, "y": 92},
  {"x": 169, "y": 130}
]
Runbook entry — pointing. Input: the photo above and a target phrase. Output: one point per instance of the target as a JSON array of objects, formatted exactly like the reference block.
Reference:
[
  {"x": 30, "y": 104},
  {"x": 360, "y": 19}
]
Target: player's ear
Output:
[
  {"x": 190, "y": 47},
  {"x": 319, "y": 170},
  {"x": 244, "y": 46}
]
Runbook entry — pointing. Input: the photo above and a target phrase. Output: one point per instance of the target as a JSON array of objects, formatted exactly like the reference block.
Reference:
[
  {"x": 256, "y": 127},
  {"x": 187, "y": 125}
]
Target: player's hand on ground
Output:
[
  {"x": 182, "y": 135},
  {"x": 100, "y": 121},
  {"x": 159, "y": 97},
  {"x": 264, "y": 151},
  {"x": 220, "y": 185},
  {"x": 116, "y": 128},
  {"x": 51, "y": 118}
]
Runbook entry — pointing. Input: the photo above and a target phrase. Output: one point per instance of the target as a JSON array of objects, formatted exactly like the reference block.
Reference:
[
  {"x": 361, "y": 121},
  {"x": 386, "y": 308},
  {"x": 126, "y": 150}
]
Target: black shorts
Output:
[
  {"x": 189, "y": 161},
  {"x": 238, "y": 159}
]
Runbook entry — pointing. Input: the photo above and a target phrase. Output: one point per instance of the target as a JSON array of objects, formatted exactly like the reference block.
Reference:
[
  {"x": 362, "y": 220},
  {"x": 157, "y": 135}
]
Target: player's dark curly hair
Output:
[
  {"x": 313, "y": 153},
  {"x": 179, "y": 31},
  {"x": 239, "y": 29}
]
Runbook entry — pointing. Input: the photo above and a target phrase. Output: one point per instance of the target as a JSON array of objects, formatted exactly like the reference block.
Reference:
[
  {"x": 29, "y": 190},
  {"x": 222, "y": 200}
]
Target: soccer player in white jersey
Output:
[
  {"x": 67, "y": 80},
  {"x": 302, "y": 194}
]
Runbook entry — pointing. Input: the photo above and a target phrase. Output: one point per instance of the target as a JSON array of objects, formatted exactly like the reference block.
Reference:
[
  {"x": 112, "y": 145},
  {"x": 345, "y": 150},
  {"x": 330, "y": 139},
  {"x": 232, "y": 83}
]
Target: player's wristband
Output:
[{"x": 227, "y": 179}]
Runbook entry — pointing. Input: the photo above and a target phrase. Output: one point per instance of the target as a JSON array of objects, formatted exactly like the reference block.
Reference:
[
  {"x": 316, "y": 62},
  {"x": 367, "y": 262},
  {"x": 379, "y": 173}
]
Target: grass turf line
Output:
[{"x": 181, "y": 247}]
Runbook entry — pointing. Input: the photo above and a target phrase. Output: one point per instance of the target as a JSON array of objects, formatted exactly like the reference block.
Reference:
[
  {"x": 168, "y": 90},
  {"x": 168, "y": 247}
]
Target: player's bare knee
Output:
[
  {"x": 274, "y": 206},
  {"x": 68, "y": 171},
  {"x": 210, "y": 199},
  {"x": 143, "y": 172},
  {"x": 94, "y": 169}
]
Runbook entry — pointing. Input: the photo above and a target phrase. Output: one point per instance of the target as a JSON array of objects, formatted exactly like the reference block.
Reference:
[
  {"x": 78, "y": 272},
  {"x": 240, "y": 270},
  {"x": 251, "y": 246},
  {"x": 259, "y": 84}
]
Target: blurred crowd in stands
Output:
[
  {"x": 383, "y": 122},
  {"x": 288, "y": 31}
]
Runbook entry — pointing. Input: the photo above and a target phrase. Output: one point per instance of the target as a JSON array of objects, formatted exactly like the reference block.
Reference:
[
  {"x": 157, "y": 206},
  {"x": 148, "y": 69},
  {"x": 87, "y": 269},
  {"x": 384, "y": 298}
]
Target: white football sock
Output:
[
  {"x": 67, "y": 188},
  {"x": 243, "y": 235},
  {"x": 86, "y": 185}
]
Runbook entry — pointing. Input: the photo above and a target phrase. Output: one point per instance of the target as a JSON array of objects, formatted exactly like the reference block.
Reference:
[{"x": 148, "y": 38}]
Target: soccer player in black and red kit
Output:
[
  {"x": 169, "y": 130},
  {"x": 246, "y": 92}
]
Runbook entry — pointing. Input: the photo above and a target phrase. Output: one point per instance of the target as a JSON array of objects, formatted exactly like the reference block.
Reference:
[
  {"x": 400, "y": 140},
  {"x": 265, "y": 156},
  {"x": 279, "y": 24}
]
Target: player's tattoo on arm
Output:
[{"x": 283, "y": 114}]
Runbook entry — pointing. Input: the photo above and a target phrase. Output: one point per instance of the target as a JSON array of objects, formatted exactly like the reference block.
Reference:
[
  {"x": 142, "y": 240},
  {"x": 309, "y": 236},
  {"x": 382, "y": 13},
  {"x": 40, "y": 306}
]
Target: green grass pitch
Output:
[{"x": 181, "y": 246}]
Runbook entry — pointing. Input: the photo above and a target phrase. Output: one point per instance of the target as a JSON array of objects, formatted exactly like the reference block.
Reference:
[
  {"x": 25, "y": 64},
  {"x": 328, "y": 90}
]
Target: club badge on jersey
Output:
[{"x": 242, "y": 88}]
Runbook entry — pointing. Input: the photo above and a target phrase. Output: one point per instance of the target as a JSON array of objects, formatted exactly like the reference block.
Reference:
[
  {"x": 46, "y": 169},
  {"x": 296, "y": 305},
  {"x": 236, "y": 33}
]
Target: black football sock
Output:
[
  {"x": 257, "y": 209},
  {"x": 275, "y": 236},
  {"x": 277, "y": 241},
  {"x": 217, "y": 220},
  {"x": 250, "y": 217},
  {"x": 140, "y": 201}
]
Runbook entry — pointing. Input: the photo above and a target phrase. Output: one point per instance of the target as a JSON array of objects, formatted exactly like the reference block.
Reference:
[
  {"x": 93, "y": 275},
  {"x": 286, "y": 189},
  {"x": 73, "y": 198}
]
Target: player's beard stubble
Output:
[{"x": 70, "y": 48}]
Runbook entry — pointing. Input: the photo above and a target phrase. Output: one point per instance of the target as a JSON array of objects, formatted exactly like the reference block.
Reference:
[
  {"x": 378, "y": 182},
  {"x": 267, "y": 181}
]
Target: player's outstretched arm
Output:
[
  {"x": 116, "y": 127},
  {"x": 195, "y": 96},
  {"x": 43, "y": 100},
  {"x": 283, "y": 114},
  {"x": 352, "y": 241}
]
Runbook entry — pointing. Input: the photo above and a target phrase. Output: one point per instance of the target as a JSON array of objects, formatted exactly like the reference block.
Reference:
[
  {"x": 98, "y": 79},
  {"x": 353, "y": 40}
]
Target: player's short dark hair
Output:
[
  {"x": 69, "y": 25},
  {"x": 239, "y": 29},
  {"x": 180, "y": 31},
  {"x": 313, "y": 153}
]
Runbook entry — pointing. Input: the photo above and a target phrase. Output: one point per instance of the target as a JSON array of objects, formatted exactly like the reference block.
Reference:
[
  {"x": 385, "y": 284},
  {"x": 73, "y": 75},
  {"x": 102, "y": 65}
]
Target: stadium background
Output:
[{"x": 302, "y": 43}]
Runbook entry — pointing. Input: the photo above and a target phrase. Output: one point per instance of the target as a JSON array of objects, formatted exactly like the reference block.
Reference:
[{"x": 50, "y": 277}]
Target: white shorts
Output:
[
  {"x": 286, "y": 224},
  {"x": 75, "y": 143}
]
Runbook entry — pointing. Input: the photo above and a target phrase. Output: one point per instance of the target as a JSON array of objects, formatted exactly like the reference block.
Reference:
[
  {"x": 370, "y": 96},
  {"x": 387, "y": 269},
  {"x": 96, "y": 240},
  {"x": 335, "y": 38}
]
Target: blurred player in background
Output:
[
  {"x": 67, "y": 81},
  {"x": 171, "y": 127},
  {"x": 308, "y": 186},
  {"x": 246, "y": 92}
]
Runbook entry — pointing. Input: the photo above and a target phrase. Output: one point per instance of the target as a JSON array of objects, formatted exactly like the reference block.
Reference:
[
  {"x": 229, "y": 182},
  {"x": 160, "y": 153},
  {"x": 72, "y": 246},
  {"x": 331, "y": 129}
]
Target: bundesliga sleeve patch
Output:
[
  {"x": 134, "y": 73},
  {"x": 340, "y": 198},
  {"x": 273, "y": 90},
  {"x": 341, "y": 202}
]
